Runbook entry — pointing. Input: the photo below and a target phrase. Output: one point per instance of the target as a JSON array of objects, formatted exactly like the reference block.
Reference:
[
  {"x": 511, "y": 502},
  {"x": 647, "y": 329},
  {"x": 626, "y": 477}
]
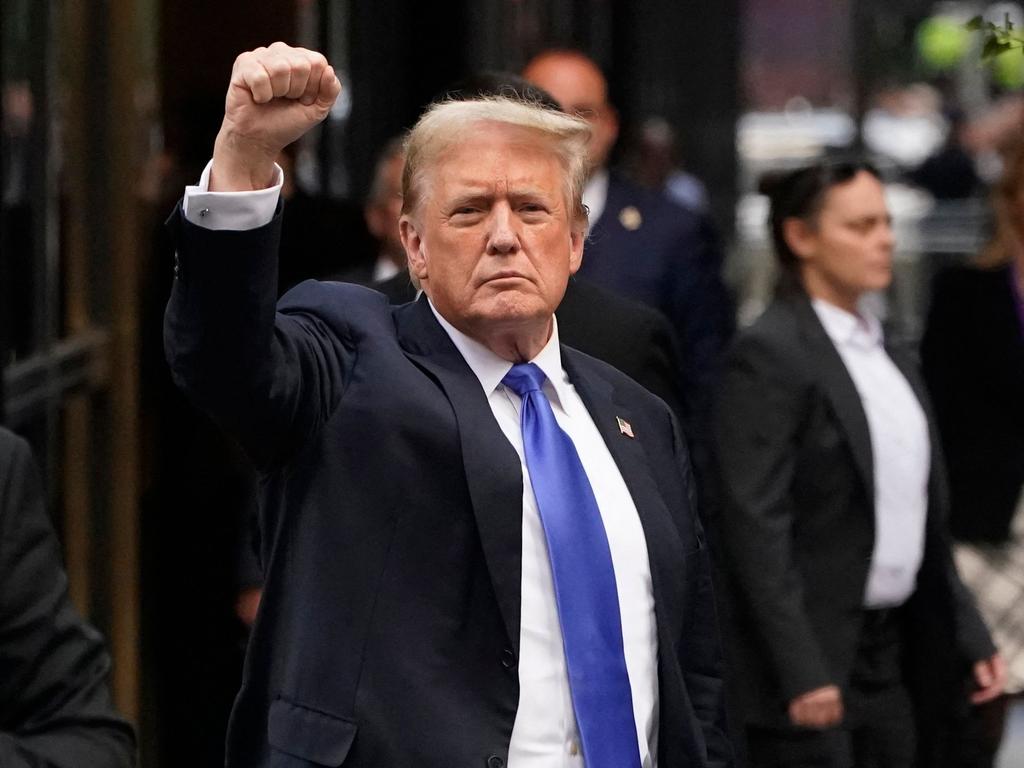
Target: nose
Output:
[{"x": 502, "y": 237}]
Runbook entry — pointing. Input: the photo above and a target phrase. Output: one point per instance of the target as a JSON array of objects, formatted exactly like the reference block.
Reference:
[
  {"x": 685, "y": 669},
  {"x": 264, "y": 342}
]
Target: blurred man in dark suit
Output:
[
  {"x": 55, "y": 709},
  {"x": 381, "y": 211},
  {"x": 641, "y": 245}
]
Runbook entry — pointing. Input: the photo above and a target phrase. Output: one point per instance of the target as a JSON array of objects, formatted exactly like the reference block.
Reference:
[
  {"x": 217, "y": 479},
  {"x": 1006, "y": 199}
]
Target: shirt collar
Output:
[
  {"x": 595, "y": 195},
  {"x": 846, "y": 328},
  {"x": 384, "y": 269},
  {"x": 490, "y": 369}
]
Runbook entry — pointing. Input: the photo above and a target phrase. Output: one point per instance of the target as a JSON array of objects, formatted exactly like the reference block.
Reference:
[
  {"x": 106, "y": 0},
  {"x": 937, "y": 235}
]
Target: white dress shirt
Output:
[
  {"x": 900, "y": 449},
  {"x": 384, "y": 269},
  {"x": 595, "y": 196},
  {"x": 544, "y": 734}
]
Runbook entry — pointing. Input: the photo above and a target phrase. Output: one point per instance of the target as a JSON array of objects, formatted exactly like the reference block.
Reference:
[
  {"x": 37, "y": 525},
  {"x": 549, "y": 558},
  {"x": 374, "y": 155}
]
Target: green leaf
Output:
[{"x": 994, "y": 47}]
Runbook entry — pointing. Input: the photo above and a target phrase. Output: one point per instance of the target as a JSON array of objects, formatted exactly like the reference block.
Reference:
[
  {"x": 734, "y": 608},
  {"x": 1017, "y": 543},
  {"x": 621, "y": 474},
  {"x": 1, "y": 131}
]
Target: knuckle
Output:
[{"x": 277, "y": 68}]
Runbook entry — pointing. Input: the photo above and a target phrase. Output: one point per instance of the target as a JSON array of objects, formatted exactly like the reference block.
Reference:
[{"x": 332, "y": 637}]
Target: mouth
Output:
[{"x": 504, "y": 275}]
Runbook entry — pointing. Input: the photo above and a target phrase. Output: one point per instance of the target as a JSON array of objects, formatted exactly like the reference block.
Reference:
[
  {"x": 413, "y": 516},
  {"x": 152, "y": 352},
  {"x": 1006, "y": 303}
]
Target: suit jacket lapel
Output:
[
  {"x": 839, "y": 387},
  {"x": 664, "y": 546},
  {"x": 493, "y": 472}
]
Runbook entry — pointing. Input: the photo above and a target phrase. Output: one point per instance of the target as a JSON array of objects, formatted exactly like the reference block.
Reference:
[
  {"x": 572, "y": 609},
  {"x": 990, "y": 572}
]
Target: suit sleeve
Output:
[
  {"x": 974, "y": 642},
  {"x": 270, "y": 379},
  {"x": 701, "y": 649},
  {"x": 55, "y": 709},
  {"x": 757, "y": 417}
]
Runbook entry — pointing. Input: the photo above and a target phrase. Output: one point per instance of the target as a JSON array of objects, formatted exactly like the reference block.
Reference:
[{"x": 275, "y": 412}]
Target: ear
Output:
[
  {"x": 373, "y": 217},
  {"x": 576, "y": 239},
  {"x": 412, "y": 241},
  {"x": 611, "y": 116},
  {"x": 800, "y": 237}
]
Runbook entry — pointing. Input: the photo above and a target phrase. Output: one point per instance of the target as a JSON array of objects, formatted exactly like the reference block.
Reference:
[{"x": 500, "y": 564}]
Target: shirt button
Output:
[
  {"x": 508, "y": 658},
  {"x": 574, "y": 748},
  {"x": 495, "y": 762}
]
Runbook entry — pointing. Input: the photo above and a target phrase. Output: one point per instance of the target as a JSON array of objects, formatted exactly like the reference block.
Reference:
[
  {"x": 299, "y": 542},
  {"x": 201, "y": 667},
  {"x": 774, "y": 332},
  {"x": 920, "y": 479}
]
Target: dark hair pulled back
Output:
[{"x": 800, "y": 194}]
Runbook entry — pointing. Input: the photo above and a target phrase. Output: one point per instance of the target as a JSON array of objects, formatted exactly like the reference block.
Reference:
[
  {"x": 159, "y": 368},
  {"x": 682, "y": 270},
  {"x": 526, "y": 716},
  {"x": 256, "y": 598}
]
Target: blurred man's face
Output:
[
  {"x": 579, "y": 87},
  {"x": 492, "y": 240},
  {"x": 382, "y": 214}
]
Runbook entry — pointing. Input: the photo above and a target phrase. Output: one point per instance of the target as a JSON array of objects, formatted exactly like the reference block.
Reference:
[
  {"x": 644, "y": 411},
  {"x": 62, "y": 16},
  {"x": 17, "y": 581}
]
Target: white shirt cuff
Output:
[{"x": 231, "y": 210}]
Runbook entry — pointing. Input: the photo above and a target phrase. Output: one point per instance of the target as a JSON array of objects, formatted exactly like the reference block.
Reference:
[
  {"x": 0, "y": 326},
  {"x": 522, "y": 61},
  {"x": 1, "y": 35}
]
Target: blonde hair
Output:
[
  {"x": 444, "y": 124},
  {"x": 1001, "y": 248}
]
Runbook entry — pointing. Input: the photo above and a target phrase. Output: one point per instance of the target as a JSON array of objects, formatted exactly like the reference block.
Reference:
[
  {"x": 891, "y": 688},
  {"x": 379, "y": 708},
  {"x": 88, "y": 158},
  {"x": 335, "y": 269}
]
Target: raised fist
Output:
[{"x": 276, "y": 95}]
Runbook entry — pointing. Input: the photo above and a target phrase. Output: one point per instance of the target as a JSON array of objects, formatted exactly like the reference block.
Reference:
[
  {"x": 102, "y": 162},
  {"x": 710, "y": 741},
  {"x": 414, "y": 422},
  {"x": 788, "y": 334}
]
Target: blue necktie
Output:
[{"x": 581, "y": 563}]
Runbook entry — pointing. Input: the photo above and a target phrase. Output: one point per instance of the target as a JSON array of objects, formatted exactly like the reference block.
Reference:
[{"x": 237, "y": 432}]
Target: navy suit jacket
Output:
[
  {"x": 391, "y": 519},
  {"x": 647, "y": 248}
]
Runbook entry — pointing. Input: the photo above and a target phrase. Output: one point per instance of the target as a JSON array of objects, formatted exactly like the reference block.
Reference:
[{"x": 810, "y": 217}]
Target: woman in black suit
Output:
[
  {"x": 851, "y": 635},
  {"x": 973, "y": 359}
]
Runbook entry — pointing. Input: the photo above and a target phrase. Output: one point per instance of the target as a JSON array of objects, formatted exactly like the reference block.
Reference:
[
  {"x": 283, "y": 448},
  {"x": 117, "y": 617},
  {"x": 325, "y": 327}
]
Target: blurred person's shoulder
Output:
[
  {"x": 963, "y": 281},
  {"x": 778, "y": 335},
  {"x": 654, "y": 205},
  {"x": 12, "y": 449}
]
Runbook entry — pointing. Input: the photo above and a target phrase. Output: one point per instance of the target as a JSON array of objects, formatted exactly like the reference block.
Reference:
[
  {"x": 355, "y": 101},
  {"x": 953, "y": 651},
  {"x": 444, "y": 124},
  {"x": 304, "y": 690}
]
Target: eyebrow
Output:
[
  {"x": 870, "y": 217},
  {"x": 481, "y": 193}
]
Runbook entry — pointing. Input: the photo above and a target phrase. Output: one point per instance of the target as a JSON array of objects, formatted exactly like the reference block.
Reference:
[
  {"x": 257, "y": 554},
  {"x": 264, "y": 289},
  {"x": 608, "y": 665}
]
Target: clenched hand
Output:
[{"x": 276, "y": 95}]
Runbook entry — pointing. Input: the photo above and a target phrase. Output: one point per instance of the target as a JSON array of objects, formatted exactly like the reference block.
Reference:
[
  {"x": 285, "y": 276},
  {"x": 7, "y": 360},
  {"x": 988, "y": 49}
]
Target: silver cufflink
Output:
[{"x": 203, "y": 213}]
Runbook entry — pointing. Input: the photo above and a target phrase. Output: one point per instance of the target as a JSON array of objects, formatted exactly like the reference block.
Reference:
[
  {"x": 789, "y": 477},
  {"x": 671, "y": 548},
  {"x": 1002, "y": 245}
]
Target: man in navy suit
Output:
[
  {"x": 642, "y": 245},
  {"x": 410, "y": 614}
]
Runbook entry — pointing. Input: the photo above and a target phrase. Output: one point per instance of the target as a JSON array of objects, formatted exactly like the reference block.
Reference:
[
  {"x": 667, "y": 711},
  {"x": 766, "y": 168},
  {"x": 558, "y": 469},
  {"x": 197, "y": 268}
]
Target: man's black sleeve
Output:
[{"x": 55, "y": 709}]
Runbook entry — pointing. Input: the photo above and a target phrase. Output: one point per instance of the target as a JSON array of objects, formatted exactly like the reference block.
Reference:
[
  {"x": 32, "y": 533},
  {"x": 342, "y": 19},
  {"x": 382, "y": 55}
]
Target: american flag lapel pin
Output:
[{"x": 625, "y": 428}]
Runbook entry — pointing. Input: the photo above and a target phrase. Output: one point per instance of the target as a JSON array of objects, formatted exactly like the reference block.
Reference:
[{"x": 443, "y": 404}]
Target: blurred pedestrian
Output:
[
  {"x": 973, "y": 358},
  {"x": 949, "y": 173},
  {"x": 381, "y": 211},
  {"x": 848, "y": 624},
  {"x": 654, "y": 163},
  {"x": 321, "y": 236},
  {"x": 640, "y": 244},
  {"x": 55, "y": 708}
]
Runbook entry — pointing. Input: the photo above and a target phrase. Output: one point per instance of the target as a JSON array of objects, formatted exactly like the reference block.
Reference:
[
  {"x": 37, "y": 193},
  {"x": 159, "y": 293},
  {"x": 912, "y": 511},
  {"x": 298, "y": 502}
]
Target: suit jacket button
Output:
[
  {"x": 495, "y": 762},
  {"x": 508, "y": 658}
]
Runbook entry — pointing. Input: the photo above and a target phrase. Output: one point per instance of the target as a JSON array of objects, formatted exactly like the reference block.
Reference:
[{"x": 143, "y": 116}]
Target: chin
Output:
[{"x": 513, "y": 308}]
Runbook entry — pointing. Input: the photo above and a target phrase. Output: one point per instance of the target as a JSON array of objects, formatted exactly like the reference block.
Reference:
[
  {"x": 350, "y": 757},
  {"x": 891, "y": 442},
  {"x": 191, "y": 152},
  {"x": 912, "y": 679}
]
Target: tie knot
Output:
[{"x": 523, "y": 378}]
